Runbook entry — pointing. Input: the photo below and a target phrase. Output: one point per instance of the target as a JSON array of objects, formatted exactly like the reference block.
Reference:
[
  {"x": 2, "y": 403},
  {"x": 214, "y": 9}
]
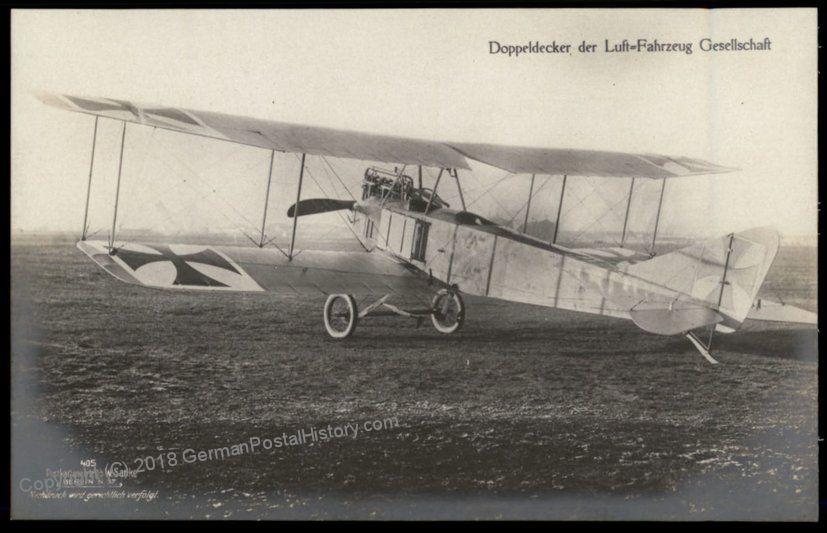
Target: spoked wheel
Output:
[
  {"x": 340, "y": 315},
  {"x": 448, "y": 311}
]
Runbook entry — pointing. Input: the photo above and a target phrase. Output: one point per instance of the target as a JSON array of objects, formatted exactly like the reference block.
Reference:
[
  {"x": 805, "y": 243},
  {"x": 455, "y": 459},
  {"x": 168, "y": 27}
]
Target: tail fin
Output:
[{"x": 721, "y": 275}]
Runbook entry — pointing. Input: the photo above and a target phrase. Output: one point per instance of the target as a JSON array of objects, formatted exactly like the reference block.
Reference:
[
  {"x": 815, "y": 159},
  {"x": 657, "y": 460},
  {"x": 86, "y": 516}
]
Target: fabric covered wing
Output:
[
  {"x": 556, "y": 161},
  {"x": 313, "y": 140},
  {"x": 273, "y": 135},
  {"x": 767, "y": 311},
  {"x": 613, "y": 255},
  {"x": 224, "y": 268}
]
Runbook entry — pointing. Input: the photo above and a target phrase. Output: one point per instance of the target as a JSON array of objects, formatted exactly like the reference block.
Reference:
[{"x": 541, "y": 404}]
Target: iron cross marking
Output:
[{"x": 184, "y": 273}]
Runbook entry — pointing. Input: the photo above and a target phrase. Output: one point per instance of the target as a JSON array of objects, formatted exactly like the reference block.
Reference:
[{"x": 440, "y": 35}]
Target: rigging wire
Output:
[
  {"x": 505, "y": 176},
  {"x": 597, "y": 221},
  {"x": 145, "y": 152},
  {"x": 198, "y": 176},
  {"x": 635, "y": 218},
  {"x": 141, "y": 169},
  {"x": 140, "y": 175},
  {"x": 213, "y": 189},
  {"x": 205, "y": 197},
  {"x": 534, "y": 194},
  {"x": 344, "y": 220},
  {"x": 338, "y": 177}
]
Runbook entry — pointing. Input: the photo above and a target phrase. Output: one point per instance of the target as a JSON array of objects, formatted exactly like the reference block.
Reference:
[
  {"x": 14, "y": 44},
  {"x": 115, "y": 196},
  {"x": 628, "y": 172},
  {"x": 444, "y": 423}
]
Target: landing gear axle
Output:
[{"x": 341, "y": 313}]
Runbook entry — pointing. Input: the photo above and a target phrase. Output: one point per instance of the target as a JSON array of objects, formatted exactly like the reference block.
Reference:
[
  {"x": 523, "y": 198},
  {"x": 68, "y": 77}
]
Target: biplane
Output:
[{"x": 415, "y": 243}]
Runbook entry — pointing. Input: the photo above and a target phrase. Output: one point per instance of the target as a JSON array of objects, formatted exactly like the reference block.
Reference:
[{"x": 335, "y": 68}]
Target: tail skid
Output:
[
  {"x": 717, "y": 280},
  {"x": 702, "y": 348}
]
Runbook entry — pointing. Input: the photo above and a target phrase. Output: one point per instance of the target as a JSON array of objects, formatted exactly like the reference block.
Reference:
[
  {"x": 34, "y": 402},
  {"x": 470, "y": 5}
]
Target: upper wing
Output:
[
  {"x": 226, "y": 268},
  {"x": 557, "y": 161},
  {"x": 270, "y": 134},
  {"x": 286, "y": 137}
]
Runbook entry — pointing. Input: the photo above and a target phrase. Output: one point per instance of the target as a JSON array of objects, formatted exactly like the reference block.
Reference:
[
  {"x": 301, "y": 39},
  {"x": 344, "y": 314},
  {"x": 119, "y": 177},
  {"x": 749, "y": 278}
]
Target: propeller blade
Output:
[{"x": 318, "y": 205}]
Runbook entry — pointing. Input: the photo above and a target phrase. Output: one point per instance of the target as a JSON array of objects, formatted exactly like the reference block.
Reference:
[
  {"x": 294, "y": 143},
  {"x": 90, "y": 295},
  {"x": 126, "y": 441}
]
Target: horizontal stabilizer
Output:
[
  {"x": 722, "y": 275},
  {"x": 666, "y": 321},
  {"x": 315, "y": 206}
]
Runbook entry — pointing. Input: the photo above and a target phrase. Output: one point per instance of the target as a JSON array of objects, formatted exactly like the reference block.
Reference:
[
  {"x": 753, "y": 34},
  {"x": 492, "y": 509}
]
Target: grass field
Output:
[{"x": 526, "y": 412}]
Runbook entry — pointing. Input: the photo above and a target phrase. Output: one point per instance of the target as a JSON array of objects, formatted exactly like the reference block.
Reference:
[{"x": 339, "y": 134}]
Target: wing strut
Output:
[
  {"x": 626, "y": 218},
  {"x": 433, "y": 194},
  {"x": 559, "y": 210},
  {"x": 528, "y": 205},
  {"x": 266, "y": 199},
  {"x": 657, "y": 217},
  {"x": 724, "y": 282},
  {"x": 117, "y": 193},
  {"x": 453, "y": 172},
  {"x": 89, "y": 183},
  {"x": 296, "y": 218}
]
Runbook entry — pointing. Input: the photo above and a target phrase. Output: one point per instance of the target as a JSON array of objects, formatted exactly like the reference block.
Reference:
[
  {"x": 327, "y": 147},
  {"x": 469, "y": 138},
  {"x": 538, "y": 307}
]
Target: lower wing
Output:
[
  {"x": 775, "y": 315},
  {"x": 226, "y": 268}
]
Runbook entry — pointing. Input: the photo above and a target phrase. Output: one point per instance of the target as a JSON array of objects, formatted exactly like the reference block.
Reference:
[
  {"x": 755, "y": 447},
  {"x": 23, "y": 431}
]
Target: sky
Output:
[{"x": 415, "y": 73}]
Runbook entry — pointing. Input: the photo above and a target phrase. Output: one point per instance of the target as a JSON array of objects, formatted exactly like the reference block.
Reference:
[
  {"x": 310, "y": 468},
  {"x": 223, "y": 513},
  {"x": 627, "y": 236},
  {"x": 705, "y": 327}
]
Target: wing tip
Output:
[
  {"x": 48, "y": 98},
  {"x": 720, "y": 169}
]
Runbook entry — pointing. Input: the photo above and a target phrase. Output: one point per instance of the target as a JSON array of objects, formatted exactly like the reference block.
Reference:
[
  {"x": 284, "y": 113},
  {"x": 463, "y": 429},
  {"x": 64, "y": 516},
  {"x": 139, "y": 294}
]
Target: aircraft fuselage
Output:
[{"x": 480, "y": 258}]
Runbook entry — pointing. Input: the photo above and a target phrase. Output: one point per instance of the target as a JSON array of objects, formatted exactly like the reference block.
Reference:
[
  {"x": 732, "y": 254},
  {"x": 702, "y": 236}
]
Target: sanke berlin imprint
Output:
[{"x": 638, "y": 45}]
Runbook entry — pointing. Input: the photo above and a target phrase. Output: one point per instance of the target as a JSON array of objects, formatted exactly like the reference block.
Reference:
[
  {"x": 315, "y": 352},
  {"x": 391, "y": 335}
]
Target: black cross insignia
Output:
[{"x": 185, "y": 274}]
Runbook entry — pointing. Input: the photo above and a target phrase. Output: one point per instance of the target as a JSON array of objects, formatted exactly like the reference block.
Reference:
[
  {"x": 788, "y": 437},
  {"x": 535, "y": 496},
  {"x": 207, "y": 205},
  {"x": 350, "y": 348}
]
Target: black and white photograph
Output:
[{"x": 414, "y": 264}]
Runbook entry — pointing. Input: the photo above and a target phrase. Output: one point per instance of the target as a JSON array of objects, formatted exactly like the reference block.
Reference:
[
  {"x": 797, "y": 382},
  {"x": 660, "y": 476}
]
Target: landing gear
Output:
[
  {"x": 340, "y": 315},
  {"x": 447, "y": 311}
]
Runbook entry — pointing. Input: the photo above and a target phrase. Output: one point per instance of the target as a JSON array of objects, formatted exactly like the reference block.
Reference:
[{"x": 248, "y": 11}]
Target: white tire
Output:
[
  {"x": 448, "y": 311},
  {"x": 340, "y": 315}
]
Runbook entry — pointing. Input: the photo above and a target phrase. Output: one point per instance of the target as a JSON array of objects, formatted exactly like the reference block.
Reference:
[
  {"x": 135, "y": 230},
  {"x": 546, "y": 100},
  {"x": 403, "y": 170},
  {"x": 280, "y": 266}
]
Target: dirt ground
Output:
[{"x": 527, "y": 412}]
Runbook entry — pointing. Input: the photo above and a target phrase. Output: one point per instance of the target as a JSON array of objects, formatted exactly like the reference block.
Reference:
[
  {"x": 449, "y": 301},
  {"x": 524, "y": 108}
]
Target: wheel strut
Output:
[{"x": 341, "y": 313}]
